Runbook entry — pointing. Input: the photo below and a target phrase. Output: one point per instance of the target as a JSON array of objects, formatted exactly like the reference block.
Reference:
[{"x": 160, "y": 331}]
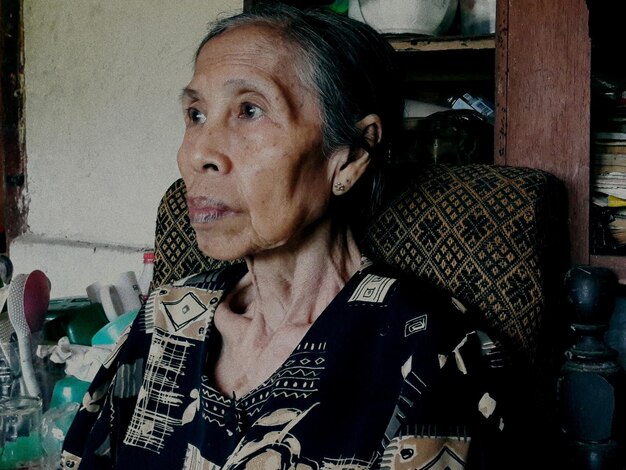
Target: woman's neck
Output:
[
  {"x": 293, "y": 285},
  {"x": 266, "y": 315}
]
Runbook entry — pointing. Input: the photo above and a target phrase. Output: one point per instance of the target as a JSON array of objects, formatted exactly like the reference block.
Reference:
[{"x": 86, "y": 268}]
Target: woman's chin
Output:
[
  {"x": 226, "y": 247},
  {"x": 218, "y": 245}
]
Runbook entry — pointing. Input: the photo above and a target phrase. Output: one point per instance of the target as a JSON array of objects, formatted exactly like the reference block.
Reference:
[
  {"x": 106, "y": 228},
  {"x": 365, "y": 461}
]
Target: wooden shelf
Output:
[
  {"x": 606, "y": 32},
  {"x": 446, "y": 60},
  {"x": 415, "y": 43}
]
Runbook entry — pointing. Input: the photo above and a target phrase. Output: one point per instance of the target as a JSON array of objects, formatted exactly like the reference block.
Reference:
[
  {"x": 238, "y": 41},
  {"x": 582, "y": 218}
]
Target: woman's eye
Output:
[
  {"x": 250, "y": 111},
  {"x": 196, "y": 116}
]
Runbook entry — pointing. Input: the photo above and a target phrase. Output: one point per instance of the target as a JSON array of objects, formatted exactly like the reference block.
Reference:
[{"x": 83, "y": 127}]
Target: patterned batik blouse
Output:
[{"x": 388, "y": 376}]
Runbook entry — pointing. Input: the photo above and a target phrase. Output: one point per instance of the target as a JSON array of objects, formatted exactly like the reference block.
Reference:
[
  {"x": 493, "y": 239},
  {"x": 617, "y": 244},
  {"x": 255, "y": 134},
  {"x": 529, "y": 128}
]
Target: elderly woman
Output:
[{"x": 307, "y": 355}]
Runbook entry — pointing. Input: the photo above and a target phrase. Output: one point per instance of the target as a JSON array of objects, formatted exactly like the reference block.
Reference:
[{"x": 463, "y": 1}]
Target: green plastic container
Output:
[
  {"x": 68, "y": 390},
  {"x": 340, "y": 6},
  {"x": 20, "y": 430},
  {"x": 25, "y": 452},
  {"x": 110, "y": 332},
  {"x": 75, "y": 317}
]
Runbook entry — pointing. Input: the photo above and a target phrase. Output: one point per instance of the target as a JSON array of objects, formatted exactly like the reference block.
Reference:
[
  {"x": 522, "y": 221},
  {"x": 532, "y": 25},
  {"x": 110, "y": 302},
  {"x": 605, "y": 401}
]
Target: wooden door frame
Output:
[{"x": 12, "y": 143}]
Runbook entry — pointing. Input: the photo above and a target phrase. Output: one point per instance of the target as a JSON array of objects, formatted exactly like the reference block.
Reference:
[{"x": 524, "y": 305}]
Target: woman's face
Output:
[{"x": 251, "y": 155}]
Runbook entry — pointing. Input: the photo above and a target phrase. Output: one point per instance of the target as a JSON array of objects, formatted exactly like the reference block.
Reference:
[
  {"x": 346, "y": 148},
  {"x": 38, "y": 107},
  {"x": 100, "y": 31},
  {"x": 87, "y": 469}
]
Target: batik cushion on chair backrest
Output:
[
  {"x": 481, "y": 232},
  {"x": 478, "y": 231}
]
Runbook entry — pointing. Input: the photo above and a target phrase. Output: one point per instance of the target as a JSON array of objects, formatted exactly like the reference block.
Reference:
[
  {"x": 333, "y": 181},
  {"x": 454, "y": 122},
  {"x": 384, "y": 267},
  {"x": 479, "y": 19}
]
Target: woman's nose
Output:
[{"x": 208, "y": 154}]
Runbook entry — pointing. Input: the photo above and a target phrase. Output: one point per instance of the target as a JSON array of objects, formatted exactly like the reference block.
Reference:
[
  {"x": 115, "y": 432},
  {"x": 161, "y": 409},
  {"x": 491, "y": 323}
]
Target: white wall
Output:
[{"x": 103, "y": 124}]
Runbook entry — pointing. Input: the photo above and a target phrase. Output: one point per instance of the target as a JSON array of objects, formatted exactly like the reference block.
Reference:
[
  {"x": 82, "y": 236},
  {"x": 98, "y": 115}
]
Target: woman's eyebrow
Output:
[
  {"x": 188, "y": 94},
  {"x": 242, "y": 83}
]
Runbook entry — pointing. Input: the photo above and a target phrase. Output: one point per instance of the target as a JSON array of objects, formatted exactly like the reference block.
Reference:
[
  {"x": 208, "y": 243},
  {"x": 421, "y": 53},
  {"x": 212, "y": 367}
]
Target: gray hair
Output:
[{"x": 352, "y": 69}]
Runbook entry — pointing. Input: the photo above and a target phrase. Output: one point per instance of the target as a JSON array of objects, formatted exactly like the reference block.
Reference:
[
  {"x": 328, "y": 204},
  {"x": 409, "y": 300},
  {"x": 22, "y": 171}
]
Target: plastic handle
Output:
[{"x": 26, "y": 362}]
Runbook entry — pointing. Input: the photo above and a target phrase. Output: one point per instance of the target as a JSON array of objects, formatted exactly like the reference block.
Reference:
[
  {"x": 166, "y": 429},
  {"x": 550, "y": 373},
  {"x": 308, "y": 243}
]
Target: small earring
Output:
[{"x": 339, "y": 187}]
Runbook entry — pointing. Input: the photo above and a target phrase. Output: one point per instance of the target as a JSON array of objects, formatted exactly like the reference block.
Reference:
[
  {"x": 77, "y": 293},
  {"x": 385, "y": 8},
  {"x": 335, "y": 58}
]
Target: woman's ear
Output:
[
  {"x": 371, "y": 128},
  {"x": 358, "y": 159}
]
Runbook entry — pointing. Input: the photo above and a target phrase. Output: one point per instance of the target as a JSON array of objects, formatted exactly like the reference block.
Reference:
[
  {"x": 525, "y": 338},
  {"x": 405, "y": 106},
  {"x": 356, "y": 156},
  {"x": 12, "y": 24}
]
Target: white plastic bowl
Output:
[{"x": 427, "y": 17}]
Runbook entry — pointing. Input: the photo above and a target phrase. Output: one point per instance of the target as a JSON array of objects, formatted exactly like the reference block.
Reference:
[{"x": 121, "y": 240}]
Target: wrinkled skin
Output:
[
  {"x": 251, "y": 157},
  {"x": 259, "y": 187}
]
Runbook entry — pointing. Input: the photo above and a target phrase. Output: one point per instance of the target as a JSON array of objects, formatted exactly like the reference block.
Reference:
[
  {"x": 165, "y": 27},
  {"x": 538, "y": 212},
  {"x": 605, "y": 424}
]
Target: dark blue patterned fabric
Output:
[{"x": 390, "y": 373}]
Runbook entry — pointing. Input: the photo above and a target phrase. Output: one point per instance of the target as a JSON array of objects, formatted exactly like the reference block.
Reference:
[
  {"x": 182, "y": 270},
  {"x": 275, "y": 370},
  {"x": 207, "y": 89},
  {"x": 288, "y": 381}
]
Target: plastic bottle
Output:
[{"x": 145, "y": 278}]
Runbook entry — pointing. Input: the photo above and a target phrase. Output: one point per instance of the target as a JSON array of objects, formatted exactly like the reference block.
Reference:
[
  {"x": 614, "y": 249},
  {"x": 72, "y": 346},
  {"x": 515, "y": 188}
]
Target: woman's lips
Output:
[{"x": 203, "y": 209}]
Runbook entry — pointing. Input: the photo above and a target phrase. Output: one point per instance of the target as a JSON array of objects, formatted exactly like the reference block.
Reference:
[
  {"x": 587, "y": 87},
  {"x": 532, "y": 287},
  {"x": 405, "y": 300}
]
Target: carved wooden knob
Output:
[{"x": 591, "y": 290}]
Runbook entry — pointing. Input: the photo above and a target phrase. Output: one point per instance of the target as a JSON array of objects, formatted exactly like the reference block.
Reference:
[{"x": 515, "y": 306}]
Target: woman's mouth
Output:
[{"x": 203, "y": 210}]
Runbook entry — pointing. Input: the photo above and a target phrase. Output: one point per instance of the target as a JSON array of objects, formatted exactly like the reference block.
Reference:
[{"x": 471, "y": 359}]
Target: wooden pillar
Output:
[
  {"x": 12, "y": 153},
  {"x": 542, "y": 99}
]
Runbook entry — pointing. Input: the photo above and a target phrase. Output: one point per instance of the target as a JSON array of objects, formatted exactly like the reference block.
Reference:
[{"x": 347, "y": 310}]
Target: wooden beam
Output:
[{"x": 12, "y": 147}]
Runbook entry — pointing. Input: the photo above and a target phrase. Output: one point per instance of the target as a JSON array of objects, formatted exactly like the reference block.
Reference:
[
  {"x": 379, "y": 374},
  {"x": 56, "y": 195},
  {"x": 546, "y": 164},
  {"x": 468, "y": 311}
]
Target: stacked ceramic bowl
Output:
[{"x": 427, "y": 17}]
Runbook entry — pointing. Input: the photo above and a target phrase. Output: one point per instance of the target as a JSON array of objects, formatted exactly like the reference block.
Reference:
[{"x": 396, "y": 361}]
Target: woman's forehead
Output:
[
  {"x": 256, "y": 41},
  {"x": 259, "y": 51}
]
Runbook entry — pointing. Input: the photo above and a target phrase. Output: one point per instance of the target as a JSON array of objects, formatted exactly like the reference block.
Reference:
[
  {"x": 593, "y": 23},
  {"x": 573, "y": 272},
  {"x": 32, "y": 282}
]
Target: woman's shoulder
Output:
[
  {"x": 411, "y": 289},
  {"x": 417, "y": 304}
]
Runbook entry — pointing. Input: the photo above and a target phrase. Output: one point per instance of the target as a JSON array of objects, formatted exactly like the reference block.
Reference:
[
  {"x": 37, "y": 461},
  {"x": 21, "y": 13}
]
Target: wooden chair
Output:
[{"x": 494, "y": 236}]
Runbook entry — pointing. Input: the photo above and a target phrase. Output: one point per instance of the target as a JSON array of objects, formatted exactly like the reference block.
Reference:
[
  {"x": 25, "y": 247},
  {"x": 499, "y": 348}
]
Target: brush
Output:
[
  {"x": 29, "y": 296},
  {"x": 6, "y": 329},
  {"x": 6, "y": 333}
]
